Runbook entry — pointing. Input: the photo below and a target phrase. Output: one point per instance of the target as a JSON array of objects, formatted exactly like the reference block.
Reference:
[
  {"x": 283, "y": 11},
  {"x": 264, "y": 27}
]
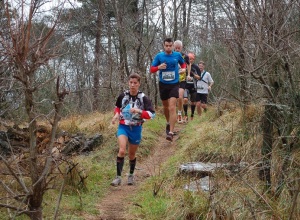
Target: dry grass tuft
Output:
[
  {"x": 224, "y": 106},
  {"x": 90, "y": 124},
  {"x": 252, "y": 113}
]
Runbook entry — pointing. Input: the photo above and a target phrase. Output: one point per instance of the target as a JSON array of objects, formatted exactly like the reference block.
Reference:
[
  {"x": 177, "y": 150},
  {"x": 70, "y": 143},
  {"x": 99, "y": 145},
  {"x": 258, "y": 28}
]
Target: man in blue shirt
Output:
[{"x": 166, "y": 63}]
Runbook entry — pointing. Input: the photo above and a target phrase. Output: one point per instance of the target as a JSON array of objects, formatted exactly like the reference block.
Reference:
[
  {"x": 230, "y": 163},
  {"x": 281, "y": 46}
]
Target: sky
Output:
[
  {"x": 47, "y": 4},
  {"x": 67, "y": 3}
]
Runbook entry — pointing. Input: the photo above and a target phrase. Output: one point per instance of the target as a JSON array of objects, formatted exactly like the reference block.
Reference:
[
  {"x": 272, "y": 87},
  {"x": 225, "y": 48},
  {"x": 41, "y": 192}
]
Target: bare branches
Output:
[
  {"x": 13, "y": 173},
  {"x": 27, "y": 48}
]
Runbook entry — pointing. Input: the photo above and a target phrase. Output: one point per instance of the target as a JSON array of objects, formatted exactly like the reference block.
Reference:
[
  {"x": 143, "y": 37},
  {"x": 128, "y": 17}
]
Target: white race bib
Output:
[
  {"x": 200, "y": 87},
  {"x": 168, "y": 76}
]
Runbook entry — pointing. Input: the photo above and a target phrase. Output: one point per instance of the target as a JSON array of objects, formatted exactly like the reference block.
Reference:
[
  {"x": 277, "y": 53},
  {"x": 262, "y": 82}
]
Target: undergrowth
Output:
[
  {"x": 234, "y": 194},
  {"x": 99, "y": 165},
  {"x": 212, "y": 138}
]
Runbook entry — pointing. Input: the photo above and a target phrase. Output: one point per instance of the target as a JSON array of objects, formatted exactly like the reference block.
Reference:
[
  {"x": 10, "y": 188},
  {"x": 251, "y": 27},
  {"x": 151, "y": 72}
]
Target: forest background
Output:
[{"x": 62, "y": 61}]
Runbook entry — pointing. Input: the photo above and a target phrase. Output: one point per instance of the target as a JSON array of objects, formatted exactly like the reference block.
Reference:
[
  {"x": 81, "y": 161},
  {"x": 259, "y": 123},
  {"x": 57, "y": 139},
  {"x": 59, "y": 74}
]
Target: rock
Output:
[
  {"x": 198, "y": 168},
  {"x": 200, "y": 184}
]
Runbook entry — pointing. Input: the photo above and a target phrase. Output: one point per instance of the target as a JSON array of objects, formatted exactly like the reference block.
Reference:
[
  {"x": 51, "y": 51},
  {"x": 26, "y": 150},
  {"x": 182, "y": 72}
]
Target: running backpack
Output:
[
  {"x": 138, "y": 103},
  {"x": 128, "y": 102}
]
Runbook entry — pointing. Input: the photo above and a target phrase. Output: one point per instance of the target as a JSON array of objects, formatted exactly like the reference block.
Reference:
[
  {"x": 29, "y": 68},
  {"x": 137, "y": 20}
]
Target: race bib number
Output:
[
  {"x": 199, "y": 86},
  {"x": 168, "y": 76}
]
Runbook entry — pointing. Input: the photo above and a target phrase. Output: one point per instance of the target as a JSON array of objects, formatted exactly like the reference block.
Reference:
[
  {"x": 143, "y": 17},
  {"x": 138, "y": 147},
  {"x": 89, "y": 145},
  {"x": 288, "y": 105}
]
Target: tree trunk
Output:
[
  {"x": 175, "y": 20},
  {"x": 123, "y": 68},
  {"x": 163, "y": 18},
  {"x": 36, "y": 198},
  {"x": 138, "y": 30},
  {"x": 111, "y": 63},
  {"x": 285, "y": 124},
  {"x": 96, "y": 87},
  {"x": 35, "y": 214},
  {"x": 207, "y": 22},
  {"x": 266, "y": 149},
  {"x": 186, "y": 21},
  {"x": 244, "y": 91}
]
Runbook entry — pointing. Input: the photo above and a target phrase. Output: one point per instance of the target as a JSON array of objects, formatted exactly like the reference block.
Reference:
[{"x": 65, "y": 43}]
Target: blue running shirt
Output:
[{"x": 170, "y": 75}]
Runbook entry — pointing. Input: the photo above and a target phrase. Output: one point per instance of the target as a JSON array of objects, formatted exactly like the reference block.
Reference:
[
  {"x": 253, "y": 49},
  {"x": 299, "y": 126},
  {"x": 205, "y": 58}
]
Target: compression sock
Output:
[
  {"x": 193, "y": 107},
  {"x": 185, "y": 108},
  {"x": 132, "y": 165},
  {"x": 120, "y": 163}
]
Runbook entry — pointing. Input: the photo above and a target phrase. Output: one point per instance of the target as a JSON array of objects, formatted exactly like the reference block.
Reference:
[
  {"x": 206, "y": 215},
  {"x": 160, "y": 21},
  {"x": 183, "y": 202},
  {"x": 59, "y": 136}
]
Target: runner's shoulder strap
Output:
[{"x": 202, "y": 76}]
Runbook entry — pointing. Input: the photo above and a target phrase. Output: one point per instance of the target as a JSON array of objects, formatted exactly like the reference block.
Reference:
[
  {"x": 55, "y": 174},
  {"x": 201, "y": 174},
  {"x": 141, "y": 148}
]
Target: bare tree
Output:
[
  {"x": 266, "y": 51},
  {"x": 98, "y": 37},
  {"x": 240, "y": 57},
  {"x": 26, "y": 50},
  {"x": 163, "y": 18}
]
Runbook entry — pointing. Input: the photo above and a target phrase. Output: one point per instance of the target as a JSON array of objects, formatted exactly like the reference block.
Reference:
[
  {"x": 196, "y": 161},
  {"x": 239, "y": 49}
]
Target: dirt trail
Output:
[{"x": 115, "y": 204}]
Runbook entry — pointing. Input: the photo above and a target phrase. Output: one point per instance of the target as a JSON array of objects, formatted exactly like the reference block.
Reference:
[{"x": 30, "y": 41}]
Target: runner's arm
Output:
[
  {"x": 189, "y": 69},
  {"x": 148, "y": 112}
]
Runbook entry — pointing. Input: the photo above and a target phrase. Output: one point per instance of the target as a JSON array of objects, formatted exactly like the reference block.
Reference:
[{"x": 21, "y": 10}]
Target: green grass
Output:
[
  {"x": 208, "y": 138},
  {"x": 170, "y": 201},
  {"x": 148, "y": 206},
  {"x": 99, "y": 166},
  {"x": 151, "y": 129},
  {"x": 77, "y": 201}
]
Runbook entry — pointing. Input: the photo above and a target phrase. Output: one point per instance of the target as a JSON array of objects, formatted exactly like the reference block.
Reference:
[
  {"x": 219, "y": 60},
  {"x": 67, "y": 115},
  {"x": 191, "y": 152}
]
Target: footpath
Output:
[{"x": 115, "y": 204}]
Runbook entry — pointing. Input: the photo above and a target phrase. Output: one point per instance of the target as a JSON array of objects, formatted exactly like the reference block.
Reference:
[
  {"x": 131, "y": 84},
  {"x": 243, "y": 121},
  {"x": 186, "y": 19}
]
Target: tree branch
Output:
[{"x": 19, "y": 180}]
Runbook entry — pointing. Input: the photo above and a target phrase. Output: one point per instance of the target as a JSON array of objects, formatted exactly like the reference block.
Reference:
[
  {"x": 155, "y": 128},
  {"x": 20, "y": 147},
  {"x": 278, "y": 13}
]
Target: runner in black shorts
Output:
[
  {"x": 190, "y": 91},
  {"x": 182, "y": 79},
  {"x": 167, "y": 64},
  {"x": 167, "y": 91},
  {"x": 203, "y": 86}
]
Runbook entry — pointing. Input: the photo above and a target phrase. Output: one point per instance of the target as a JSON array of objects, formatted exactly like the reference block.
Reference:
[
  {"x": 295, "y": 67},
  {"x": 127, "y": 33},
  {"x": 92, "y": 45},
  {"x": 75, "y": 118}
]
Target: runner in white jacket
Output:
[{"x": 203, "y": 86}]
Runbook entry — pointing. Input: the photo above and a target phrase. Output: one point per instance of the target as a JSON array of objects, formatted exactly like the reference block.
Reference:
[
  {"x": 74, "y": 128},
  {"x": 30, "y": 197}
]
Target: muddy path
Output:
[{"x": 115, "y": 204}]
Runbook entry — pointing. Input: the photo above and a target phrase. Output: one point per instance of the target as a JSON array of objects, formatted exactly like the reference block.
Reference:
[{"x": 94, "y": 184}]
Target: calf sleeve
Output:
[
  {"x": 193, "y": 107},
  {"x": 120, "y": 163},
  {"x": 132, "y": 165},
  {"x": 185, "y": 108}
]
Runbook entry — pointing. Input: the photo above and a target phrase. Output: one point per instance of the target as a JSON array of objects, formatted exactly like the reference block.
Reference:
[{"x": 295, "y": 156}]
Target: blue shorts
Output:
[{"x": 133, "y": 133}]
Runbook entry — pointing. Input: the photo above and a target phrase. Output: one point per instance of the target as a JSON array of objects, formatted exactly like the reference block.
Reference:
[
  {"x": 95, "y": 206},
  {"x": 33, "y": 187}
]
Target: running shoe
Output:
[
  {"x": 192, "y": 117},
  {"x": 179, "y": 119},
  {"x": 130, "y": 179},
  {"x": 167, "y": 129},
  {"x": 116, "y": 181},
  {"x": 185, "y": 119},
  {"x": 170, "y": 136}
]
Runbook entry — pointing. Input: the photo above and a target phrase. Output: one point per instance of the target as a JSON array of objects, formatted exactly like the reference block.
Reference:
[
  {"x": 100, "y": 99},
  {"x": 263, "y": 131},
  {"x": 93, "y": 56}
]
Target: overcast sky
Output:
[
  {"x": 47, "y": 4},
  {"x": 66, "y": 3}
]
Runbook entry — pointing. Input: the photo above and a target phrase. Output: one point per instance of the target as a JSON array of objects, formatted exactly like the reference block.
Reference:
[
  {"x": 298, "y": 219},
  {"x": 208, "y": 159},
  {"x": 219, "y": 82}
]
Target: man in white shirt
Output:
[{"x": 204, "y": 83}]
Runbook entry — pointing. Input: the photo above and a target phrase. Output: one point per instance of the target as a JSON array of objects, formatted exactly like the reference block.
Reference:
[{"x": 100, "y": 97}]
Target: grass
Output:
[
  {"x": 209, "y": 138},
  {"x": 234, "y": 196},
  {"x": 99, "y": 165},
  {"x": 150, "y": 207}
]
